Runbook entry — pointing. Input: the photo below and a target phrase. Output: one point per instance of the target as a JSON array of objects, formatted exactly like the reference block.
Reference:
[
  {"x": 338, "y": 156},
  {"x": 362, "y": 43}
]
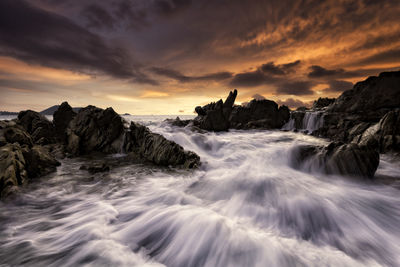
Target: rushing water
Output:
[{"x": 244, "y": 207}]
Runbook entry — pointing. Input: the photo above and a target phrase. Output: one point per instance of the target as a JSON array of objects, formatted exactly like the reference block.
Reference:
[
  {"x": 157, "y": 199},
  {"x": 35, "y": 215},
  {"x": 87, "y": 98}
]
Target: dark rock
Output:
[
  {"x": 337, "y": 158},
  {"x": 259, "y": 114},
  {"x": 215, "y": 116},
  {"x": 155, "y": 148},
  {"x": 10, "y": 132},
  {"x": 94, "y": 129},
  {"x": 371, "y": 95},
  {"x": 39, "y": 161},
  {"x": 61, "y": 119},
  {"x": 96, "y": 167},
  {"x": 12, "y": 168},
  {"x": 178, "y": 122},
  {"x": 302, "y": 109},
  {"x": 38, "y": 126},
  {"x": 323, "y": 102}
]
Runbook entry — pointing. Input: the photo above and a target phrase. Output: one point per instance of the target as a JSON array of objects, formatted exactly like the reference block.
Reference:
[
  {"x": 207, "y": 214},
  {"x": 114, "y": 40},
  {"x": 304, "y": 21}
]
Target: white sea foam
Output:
[{"x": 245, "y": 206}]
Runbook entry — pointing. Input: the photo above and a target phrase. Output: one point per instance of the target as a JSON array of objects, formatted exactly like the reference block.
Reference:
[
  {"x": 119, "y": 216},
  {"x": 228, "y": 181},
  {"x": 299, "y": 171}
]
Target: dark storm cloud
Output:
[
  {"x": 283, "y": 69},
  {"x": 294, "y": 103},
  {"x": 170, "y": 7},
  {"x": 320, "y": 72},
  {"x": 388, "y": 56},
  {"x": 176, "y": 75},
  {"x": 338, "y": 86},
  {"x": 40, "y": 37},
  {"x": 265, "y": 74},
  {"x": 249, "y": 79},
  {"x": 98, "y": 17},
  {"x": 295, "y": 88}
]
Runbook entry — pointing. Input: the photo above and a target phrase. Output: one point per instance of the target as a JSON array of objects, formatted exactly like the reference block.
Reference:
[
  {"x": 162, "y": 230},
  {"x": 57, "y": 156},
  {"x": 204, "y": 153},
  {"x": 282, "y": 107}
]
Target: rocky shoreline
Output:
[
  {"x": 31, "y": 145},
  {"x": 361, "y": 123}
]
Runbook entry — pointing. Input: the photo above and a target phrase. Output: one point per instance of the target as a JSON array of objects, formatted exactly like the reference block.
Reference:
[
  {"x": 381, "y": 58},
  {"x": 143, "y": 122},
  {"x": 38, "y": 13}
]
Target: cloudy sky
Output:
[{"x": 167, "y": 56}]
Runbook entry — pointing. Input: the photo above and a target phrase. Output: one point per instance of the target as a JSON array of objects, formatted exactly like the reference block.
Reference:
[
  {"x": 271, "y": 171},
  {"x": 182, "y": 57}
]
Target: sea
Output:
[{"x": 244, "y": 206}]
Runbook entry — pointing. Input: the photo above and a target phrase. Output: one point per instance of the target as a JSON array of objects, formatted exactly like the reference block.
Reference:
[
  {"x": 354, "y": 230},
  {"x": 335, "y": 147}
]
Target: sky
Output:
[{"x": 168, "y": 56}]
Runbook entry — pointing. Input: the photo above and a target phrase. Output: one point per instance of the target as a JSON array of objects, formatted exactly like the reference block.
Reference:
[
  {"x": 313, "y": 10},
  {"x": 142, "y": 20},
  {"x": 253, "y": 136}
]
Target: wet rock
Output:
[
  {"x": 259, "y": 114},
  {"x": 39, "y": 161},
  {"x": 94, "y": 129},
  {"x": 12, "y": 168},
  {"x": 371, "y": 95},
  {"x": 215, "y": 116},
  {"x": 10, "y": 132},
  {"x": 155, "y": 148},
  {"x": 95, "y": 167},
  {"x": 385, "y": 134},
  {"x": 38, "y": 126},
  {"x": 61, "y": 119},
  {"x": 322, "y": 102},
  {"x": 178, "y": 122},
  {"x": 337, "y": 158}
]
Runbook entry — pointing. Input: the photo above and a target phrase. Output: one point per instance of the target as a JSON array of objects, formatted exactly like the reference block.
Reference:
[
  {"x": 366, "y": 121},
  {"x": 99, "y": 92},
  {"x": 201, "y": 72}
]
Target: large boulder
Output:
[
  {"x": 11, "y": 132},
  {"x": 385, "y": 134},
  {"x": 322, "y": 102},
  {"x": 94, "y": 129},
  {"x": 259, "y": 114},
  {"x": 215, "y": 116},
  {"x": 39, "y": 161},
  {"x": 61, "y": 119},
  {"x": 371, "y": 97},
  {"x": 12, "y": 168},
  {"x": 38, "y": 126},
  {"x": 336, "y": 158},
  {"x": 155, "y": 148}
]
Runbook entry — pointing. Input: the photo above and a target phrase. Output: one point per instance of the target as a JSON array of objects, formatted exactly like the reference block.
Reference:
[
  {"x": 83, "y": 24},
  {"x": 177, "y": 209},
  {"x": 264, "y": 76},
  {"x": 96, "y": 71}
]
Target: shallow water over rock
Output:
[{"x": 245, "y": 206}]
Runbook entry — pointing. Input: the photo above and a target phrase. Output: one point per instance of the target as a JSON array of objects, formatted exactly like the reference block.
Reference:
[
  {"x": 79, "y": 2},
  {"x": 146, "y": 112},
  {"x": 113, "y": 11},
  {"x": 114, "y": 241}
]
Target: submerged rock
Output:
[
  {"x": 337, "y": 158},
  {"x": 96, "y": 167}
]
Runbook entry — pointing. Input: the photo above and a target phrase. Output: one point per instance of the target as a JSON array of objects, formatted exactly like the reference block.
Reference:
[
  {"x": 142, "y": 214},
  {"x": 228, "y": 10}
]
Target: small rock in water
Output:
[{"x": 95, "y": 167}]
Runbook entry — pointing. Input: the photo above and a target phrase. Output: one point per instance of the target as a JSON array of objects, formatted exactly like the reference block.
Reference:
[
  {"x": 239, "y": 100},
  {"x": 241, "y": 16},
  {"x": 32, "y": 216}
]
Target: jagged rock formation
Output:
[
  {"x": 155, "y": 148},
  {"x": 20, "y": 158},
  {"x": 337, "y": 158},
  {"x": 29, "y": 144},
  {"x": 38, "y": 126},
  {"x": 323, "y": 102},
  {"x": 221, "y": 116},
  {"x": 61, "y": 119},
  {"x": 215, "y": 116}
]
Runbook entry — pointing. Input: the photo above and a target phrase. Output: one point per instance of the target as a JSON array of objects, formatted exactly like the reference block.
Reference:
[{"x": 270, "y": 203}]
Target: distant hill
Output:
[
  {"x": 7, "y": 113},
  {"x": 52, "y": 109}
]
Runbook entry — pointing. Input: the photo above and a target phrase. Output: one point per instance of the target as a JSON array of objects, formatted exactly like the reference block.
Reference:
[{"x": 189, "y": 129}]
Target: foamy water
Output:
[{"x": 245, "y": 206}]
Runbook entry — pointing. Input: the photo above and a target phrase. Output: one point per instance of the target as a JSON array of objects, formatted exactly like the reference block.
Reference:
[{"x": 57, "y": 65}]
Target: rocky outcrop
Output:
[
  {"x": 215, "y": 116},
  {"x": 38, "y": 126},
  {"x": 153, "y": 147},
  {"x": 385, "y": 134},
  {"x": 94, "y": 129},
  {"x": 61, "y": 119},
  {"x": 259, "y": 114},
  {"x": 20, "y": 159},
  {"x": 221, "y": 116},
  {"x": 322, "y": 102},
  {"x": 371, "y": 98},
  {"x": 12, "y": 168},
  {"x": 337, "y": 158}
]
